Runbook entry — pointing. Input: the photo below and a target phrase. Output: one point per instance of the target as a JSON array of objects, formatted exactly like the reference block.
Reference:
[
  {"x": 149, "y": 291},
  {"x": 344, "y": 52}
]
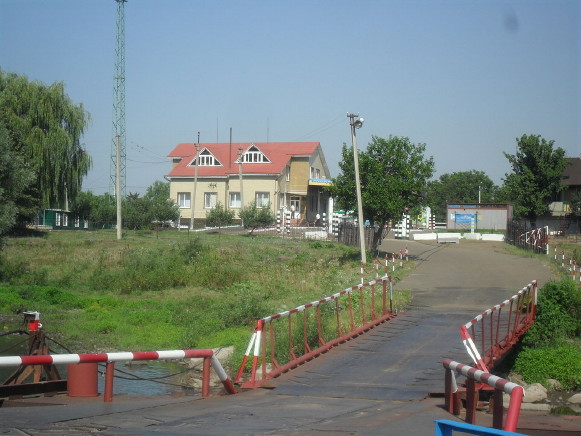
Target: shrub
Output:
[
  {"x": 219, "y": 217},
  {"x": 254, "y": 217},
  {"x": 562, "y": 363}
]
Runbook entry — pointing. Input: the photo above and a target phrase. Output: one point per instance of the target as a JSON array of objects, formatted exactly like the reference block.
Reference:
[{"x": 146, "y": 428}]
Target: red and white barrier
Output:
[
  {"x": 493, "y": 343},
  {"x": 110, "y": 358},
  {"x": 257, "y": 344},
  {"x": 500, "y": 385}
]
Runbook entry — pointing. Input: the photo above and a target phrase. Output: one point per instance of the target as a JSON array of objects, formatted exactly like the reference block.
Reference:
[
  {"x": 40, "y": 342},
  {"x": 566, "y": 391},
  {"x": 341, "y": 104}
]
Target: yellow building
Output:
[{"x": 280, "y": 175}]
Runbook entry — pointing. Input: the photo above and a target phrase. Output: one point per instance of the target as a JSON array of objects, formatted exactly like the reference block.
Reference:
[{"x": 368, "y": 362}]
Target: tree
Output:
[
  {"x": 15, "y": 177},
  {"x": 460, "y": 187},
  {"x": 254, "y": 217},
  {"x": 394, "y": 173},
  {"x": 159, "y": 204},
  {"x": 45, "y": 129},
  {"x": 536, "y": 178},
  {"x": 219, "y": 217}
]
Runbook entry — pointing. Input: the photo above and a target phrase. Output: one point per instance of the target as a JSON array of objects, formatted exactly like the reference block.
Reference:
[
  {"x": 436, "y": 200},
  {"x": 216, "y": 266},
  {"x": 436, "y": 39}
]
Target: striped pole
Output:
[{"x": 111, "y": 358}]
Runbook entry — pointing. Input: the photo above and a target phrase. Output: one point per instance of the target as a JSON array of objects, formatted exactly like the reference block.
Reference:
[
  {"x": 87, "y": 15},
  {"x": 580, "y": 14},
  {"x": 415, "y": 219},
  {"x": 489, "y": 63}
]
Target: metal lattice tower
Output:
[{"x": 119, "y": 103}]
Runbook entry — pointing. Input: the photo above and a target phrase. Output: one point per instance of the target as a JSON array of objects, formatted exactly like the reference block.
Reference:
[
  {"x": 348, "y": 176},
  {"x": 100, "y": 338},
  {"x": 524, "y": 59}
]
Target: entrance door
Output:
[{"x": 295, "y": 205}]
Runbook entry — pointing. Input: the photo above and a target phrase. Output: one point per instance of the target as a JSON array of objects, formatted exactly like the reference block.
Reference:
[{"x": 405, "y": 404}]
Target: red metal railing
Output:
[
  {"x": 285, "y": 340},
  {"x": 494, "y": 332},
  {"x": 499, "y": 385}
]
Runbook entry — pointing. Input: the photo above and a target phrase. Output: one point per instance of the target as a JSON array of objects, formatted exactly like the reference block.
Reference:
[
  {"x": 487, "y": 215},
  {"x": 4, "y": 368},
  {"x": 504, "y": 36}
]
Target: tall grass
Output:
[{"x": 163, "y": 290}]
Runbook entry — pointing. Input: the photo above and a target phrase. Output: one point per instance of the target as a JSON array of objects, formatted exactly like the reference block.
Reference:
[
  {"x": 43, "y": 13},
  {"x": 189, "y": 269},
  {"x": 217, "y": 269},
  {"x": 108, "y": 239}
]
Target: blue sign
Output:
[{"x": 465, "y": 217}]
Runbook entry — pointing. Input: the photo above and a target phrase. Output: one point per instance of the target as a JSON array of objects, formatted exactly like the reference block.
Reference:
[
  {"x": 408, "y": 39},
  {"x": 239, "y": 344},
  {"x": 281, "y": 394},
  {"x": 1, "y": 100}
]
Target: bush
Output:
[
  {"x": 219, "y": 217},
  {"x": 254, "y": 217},
  {"x": 562, "y": 363}
]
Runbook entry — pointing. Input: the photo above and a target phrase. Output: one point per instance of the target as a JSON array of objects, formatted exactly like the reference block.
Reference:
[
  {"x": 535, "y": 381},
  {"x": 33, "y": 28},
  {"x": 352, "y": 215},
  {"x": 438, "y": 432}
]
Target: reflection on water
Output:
[{"x": 142, "y": 378}]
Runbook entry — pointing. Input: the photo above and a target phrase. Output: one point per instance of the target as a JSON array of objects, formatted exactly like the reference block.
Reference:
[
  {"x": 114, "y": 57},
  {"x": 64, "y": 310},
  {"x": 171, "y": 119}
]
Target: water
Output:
[{"x": 130, "y": 379}]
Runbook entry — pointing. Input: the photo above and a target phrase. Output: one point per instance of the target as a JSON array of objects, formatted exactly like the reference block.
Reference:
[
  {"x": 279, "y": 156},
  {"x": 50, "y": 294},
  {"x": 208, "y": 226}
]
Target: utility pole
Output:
[
  {"x": 240, "y": 178},
  {"x": 195, "y": 181},
  {"x": 118, "y": 166},
  {"x": 356, "y": 124}
]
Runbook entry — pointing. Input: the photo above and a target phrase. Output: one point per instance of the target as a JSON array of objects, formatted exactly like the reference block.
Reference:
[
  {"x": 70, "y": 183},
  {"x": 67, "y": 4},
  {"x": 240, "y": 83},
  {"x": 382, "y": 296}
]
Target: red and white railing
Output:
[
  {"x": 494, "y": 332},
  {"x": 287, "y": 339},
  {"x": 210, "y": 360},
  {"x": 500, "y": 386}
]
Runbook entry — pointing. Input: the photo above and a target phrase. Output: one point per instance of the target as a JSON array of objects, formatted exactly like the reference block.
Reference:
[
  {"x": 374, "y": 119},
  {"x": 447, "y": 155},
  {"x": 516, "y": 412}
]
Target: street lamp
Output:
[{"x": 356, "y": 123}]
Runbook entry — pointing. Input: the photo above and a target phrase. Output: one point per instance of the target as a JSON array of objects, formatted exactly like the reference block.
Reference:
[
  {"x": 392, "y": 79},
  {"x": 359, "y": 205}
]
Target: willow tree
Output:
[{"x": 45, "y": 128}]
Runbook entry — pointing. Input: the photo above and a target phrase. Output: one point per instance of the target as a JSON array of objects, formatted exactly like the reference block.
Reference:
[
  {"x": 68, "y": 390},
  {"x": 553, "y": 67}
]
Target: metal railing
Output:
[
  {"x": 494, "y": 332},
  {"x": 500, "y": 386},
  {"x": 287, "y": 339}
]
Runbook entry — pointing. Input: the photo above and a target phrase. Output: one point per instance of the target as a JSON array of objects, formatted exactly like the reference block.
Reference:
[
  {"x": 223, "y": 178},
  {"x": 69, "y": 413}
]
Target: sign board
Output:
[{"x": 465, "y": 217}]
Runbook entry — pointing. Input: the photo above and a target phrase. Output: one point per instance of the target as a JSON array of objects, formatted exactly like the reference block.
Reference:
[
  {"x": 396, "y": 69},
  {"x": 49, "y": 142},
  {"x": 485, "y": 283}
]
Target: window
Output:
[
  {"x": 235, "y": 202},
  {"x": 77, "y": 221},
  {"x": 288, "y": 174},
  {"x": 207, "y": 159},
  {"x": 58, "y": 219},
  {"x": 65, "y": 220},
  {"x": 254, "y": 155},
  {"x": 262, "y": 199},
  {"x": 210, "y": 200},
  {"x": 184, "y": 200}
]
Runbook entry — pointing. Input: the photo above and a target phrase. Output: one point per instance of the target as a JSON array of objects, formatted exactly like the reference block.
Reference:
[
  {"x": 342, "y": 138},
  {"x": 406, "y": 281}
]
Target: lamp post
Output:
[{"x": 356, "y": 123}]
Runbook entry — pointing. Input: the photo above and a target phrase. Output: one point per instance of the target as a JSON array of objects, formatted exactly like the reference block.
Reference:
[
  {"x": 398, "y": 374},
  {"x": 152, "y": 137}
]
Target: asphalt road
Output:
[{"x": 377, "y": 383}]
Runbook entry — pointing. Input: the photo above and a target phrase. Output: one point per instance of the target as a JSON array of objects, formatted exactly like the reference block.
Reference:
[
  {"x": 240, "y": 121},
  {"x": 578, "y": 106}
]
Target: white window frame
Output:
[
  {"x": 260, "y": 197},
  {"x": 77, "y": 222},
  {"x": 184, "y": 200},
  {"x": 58, "y": 218},
  {"x": 235, "y": 200},
  {"x": 210, "y": 200},
  {"x": 65, "y": 220},
  {"x": 254, "y": 155}
]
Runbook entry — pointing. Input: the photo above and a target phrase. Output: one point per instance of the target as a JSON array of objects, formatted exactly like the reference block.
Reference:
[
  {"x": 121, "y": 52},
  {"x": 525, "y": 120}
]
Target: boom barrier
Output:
[
  {"x": 210, "y": 360},
  {"x": 499, "y": 385},
  {"x": 494, "y": 332},
  {"x": 287, "y": 339}
]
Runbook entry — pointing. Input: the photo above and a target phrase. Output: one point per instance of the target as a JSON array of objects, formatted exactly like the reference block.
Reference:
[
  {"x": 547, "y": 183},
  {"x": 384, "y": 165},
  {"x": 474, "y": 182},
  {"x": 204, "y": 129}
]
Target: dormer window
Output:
[
  {"x": 254, "y": 155},
  {"x": 207, "y": 159}
]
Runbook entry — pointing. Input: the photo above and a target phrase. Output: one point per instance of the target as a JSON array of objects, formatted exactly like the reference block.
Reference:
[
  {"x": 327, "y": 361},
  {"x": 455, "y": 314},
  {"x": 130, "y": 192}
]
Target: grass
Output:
[{"x": 165, "y": 290}]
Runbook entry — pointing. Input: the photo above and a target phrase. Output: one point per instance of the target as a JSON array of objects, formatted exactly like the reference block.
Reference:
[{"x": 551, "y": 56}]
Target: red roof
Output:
[{"x": 278, "y": 153}]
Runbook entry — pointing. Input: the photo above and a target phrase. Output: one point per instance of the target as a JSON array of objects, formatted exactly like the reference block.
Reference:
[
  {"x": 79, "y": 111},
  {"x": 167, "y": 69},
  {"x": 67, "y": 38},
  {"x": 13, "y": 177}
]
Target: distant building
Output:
[
  {"x": 59, "y": 219},
  {"x": 486, "y": 216},
  {"x": 289, "y": 175},
  {"x": 560, "y": 206}
]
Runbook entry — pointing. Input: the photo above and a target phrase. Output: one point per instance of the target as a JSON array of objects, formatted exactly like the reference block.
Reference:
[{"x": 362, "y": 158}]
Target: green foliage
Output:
[
  {"x": 551, "y": 348},
  {"x": 537, "y": 169},
  {"x": 562, "y": 363},
  {"x": 155, "y": 208},
  {"x": 219, "y": 216},
  {"x": 393, "y": 173},
  {"x": 460, "y": 187},
  {"x": 255, "y": 217},
  {"x": 191, "y": 250},
  {"x": 15, "y": 178},
  {"x": 45, "y": 128}
]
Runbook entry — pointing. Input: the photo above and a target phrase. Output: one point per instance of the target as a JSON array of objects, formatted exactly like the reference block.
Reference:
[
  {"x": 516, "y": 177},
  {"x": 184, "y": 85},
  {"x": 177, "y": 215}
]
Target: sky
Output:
[{"x": 465, "y": 78}]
